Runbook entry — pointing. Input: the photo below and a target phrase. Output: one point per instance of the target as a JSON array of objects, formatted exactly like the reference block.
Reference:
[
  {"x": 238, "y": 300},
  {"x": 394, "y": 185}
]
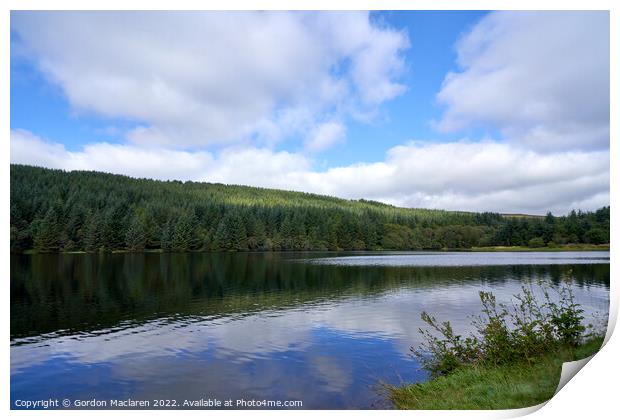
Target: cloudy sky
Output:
[{"x": 500, "y": 111}]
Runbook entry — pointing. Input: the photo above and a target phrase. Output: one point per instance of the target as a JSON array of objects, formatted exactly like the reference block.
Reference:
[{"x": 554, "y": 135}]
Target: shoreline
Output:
[
  {"x": 564, "y": 248},
  {"x": 516, "y": 385}
]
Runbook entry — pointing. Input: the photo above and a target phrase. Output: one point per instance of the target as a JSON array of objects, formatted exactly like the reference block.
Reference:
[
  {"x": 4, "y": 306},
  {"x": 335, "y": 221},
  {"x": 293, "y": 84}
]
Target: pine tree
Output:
[
  {"x": 221, "y": 240},
  {"x": 300, "y": 240},
  {"x": 286, "y": 233},
  {"x": 135, "y": 238},
  {"x": 91, "y": 232},
  {"x": 112, "y": 229},
  {"x": 236, "y": 229},
  {"x": 332, "y": 235},
  {"x": 183, "y": 237},
  {"x": 260, "y": 234},
  {"x": 48, "y": 232},
  {"x": 166, "y": 236}
]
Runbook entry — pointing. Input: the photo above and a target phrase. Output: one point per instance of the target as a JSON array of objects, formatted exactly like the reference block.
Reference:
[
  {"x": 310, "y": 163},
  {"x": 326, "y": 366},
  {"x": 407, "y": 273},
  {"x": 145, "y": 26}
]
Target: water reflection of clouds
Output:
[
  {"x": 394, "y": 316},
  {"x": 328, "y": 353},
  {"x": 326, "y": 374}
]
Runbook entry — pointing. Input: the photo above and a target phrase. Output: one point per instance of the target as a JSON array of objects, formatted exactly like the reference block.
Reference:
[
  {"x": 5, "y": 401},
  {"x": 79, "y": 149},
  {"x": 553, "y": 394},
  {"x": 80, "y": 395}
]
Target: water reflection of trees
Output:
[{"x": 88, "y": 292}]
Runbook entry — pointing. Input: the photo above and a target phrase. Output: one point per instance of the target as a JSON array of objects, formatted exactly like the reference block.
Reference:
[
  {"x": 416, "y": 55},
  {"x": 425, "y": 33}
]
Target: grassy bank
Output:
[
  {"x": 512, "y": 358},
  {"x": 514, "y": 385},
  {"x": 558, "y": 248}
]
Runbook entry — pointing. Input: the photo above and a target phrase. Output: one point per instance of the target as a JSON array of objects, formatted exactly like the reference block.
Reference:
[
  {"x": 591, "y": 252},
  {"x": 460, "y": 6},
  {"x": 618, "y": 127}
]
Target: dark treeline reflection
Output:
[{"x": 71, "y": 293}]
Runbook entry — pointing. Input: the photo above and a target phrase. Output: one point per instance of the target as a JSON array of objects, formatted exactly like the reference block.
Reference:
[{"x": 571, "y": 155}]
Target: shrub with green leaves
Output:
[
  {"x": 537, "y": 242},
  {"x": 443, "y": 355},
  {"x": 504, "y": 334}
]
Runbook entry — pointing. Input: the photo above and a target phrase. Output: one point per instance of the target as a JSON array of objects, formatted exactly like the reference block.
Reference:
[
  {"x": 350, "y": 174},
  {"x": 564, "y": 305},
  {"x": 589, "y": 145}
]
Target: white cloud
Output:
[
  {"x": 194, "y": 79},
  {"x": 157, "y": 163},
  {"x": 259, "y": 167},
  {"x": 475, "y": 176},
  {"x": 199, "y": 78},
  {"x": 489, "y": 176},
  {"x": 325, "y": 136},
  {"x": 542, "y": 78}
]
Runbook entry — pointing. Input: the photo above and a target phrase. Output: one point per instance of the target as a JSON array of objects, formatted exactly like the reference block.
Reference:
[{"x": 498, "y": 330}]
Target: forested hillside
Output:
[{"x": 53, "y": 210}]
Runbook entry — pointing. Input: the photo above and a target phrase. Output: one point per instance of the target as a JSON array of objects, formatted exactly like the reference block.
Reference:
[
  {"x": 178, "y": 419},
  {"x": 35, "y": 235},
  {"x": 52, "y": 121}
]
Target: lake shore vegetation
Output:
[{"x": 513, "y": 359}]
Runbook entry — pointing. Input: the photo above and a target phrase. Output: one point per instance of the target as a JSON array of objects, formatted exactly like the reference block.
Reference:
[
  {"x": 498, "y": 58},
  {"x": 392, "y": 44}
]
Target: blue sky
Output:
[
  {"x": 432, "y": 54},
  {"x": 462, "y": 110},
  {"x": 40, "y": 106}
]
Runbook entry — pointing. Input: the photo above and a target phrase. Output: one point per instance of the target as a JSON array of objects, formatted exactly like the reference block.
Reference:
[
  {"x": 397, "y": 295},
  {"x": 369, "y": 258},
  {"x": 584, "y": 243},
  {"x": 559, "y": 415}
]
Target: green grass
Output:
[
  {"x": 569, "y": 247},
  {"x": 479, "y": 387}
]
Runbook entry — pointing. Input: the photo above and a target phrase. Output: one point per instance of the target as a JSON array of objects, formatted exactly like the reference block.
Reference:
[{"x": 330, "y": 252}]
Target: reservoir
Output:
[{"x": 327, "y": 329}]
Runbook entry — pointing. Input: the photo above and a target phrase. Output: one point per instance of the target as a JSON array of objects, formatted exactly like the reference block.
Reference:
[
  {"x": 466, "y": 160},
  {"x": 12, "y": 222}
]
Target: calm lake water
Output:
[{"x": 325, "y": 329}]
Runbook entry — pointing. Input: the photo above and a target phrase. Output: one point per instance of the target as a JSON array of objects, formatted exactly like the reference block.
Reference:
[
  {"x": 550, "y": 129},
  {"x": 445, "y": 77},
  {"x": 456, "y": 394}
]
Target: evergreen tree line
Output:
[{"x": 54, "y": 211}]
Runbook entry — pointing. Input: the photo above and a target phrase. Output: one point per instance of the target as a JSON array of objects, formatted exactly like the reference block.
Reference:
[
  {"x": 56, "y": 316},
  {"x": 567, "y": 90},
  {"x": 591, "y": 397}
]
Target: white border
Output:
[{"x": 592, "y": 394}]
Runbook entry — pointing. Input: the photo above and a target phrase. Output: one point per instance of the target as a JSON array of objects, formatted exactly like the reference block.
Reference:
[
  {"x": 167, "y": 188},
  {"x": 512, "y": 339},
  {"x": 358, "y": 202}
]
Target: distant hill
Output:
[{"x": 55, "y": 210}]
